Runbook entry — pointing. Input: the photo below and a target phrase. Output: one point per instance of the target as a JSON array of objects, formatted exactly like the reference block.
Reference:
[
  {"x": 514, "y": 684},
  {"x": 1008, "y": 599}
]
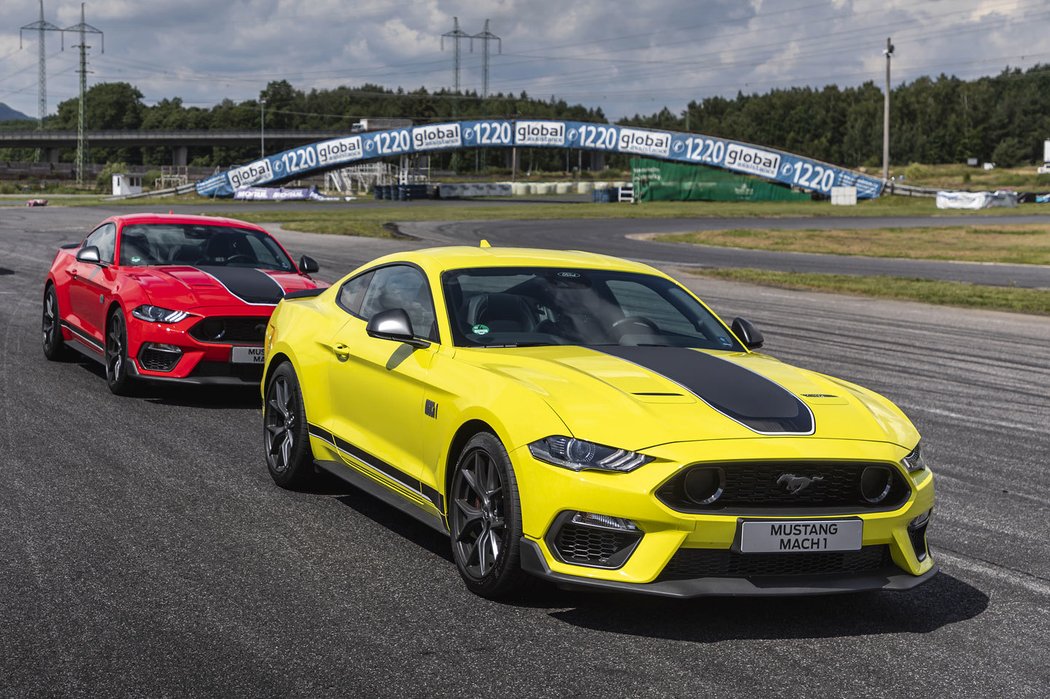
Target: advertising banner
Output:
[{"x": 768, "y": 163}]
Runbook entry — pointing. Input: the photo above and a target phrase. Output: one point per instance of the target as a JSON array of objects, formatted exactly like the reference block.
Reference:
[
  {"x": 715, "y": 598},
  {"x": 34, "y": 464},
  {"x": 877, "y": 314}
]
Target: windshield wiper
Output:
[{"x": 519, "y": 344}]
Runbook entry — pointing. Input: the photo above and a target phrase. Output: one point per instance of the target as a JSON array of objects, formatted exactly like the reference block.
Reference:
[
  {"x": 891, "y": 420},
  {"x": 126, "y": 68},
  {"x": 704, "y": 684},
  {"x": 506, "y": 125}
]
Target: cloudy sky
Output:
[{"x": 624, "y": 57}]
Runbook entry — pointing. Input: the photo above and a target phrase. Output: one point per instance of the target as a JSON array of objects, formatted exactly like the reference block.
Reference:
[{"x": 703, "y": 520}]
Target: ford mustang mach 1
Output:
[
  {"x": 589, "y": 421},
  {"x": 169, "y": 298}
]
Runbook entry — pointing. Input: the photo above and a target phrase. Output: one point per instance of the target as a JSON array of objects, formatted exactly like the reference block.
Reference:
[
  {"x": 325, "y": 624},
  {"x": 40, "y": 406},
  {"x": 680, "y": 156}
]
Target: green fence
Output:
[{"x": 657, "y": 180}]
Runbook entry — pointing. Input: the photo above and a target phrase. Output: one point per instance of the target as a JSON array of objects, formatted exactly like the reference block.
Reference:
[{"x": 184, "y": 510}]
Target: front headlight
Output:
[
  {"x": 914, "y": 461},
  {"x": 578, "y": 455},
  {"x": 156, "y": 314}
]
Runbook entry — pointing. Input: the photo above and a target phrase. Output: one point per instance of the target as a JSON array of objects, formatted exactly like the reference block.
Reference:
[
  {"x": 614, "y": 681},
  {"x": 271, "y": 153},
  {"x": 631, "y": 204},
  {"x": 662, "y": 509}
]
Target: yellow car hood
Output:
[{"x": 615, "y": 401}]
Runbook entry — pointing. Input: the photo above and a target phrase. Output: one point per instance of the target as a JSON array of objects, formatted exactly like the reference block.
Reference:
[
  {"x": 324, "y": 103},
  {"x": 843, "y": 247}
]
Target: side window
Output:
[
  {"x": 353, "y": 292},
  {"x": 105, "y": 239},
  {"x": 401, "y": 286}
]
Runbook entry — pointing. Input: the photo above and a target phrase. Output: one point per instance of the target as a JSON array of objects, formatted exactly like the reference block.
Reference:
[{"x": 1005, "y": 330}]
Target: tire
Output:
[
  {"x": 286, "y": 437},
  {"x": 485, "y": 519},
  {"x": 118, "y": 378},
  {"x": 54, "y": 346}
]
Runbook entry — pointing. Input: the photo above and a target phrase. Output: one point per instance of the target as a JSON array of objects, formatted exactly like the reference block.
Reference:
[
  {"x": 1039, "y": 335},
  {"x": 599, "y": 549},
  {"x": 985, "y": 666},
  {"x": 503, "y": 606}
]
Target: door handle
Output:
[{"x": 341, "y": 351}]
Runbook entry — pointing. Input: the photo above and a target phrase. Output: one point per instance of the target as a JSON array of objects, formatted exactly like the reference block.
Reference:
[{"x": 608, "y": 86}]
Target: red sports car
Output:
[{"x": 170, "y": 298}]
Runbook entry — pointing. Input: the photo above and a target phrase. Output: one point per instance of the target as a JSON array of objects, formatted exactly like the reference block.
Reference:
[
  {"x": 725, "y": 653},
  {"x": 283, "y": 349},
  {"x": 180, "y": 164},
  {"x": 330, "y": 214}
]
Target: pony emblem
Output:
[{"x": 796, "y": 484}]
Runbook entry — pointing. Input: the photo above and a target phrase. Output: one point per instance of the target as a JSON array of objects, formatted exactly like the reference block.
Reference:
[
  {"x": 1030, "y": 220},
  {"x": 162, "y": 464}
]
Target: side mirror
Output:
[
  {"x": 748, "y": 333},
  {"x": 88, "y": 254},
  {"x": 394, "y": 324},
  {"x": 308, "y": 265}
]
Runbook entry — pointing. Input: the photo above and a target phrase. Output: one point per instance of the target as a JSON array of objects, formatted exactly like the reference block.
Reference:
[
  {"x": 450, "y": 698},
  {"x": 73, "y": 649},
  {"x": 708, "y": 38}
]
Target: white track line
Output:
[{"x": 1007, "y": 575}]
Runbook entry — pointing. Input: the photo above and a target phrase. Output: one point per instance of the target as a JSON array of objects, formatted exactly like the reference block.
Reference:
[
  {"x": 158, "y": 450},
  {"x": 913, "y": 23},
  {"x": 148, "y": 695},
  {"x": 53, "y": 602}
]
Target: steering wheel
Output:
[
  {"x": 639, "y": 321},
  {"x": 241, "y": 258}
]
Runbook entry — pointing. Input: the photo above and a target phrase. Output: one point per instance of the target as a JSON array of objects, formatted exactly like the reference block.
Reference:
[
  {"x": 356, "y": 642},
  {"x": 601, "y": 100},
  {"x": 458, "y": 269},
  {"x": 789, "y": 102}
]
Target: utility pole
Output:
[
  {"x": 886, "y": 116},
  {"x": 455, "y": 35},
  {"x": 83, "y": 29},
  {"x": 41, "y": 26},
  {"x": 262, "y": 127},
  {"x": 485, "y": 37}
]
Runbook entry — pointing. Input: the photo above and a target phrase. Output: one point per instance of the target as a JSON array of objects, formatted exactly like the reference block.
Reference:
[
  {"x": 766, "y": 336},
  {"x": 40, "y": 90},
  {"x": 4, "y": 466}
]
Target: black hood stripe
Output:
[
  {"x": 738, "y": 393},
  {"x": 252, "y": 286}
]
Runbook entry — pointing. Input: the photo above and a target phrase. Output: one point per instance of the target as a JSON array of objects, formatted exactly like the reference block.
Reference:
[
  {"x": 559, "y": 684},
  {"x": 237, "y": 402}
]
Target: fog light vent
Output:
[
  {"x": 704, "y": 485},
  {"x": 600, "y": 541},
  {"x": 159, "y": 357},
  {"x": 876, "y": 482}
]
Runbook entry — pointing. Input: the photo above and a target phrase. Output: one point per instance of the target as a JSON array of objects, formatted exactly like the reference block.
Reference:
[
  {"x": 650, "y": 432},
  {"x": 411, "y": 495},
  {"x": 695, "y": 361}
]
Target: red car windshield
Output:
[{"x": 152, "y": 244}]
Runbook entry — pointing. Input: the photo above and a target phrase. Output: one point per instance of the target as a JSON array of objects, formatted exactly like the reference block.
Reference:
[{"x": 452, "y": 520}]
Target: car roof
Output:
[
  {"x": 190, "y": 219},
  {"x": 437, "y": 260}
]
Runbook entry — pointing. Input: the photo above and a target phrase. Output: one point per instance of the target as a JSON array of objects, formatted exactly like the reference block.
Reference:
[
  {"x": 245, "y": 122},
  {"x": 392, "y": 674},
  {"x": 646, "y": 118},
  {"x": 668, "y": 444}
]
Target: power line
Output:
[
  {"x": 485, "y": 36},
  {"x": 41, "y": 27},
  {"x": 456, "y": 35},
  {"x": 83, "y": 29}
]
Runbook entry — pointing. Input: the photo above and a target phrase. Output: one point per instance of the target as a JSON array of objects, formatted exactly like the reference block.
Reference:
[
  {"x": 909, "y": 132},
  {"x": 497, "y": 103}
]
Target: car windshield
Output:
[
  {"x": 500, "y": 307},
  {"x": 195, "y": 244}
]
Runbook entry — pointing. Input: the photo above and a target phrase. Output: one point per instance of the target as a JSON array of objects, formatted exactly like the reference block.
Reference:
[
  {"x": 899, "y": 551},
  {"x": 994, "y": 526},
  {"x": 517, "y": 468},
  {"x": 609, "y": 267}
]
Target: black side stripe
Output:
[
  {"x": 377, "y": 464},
  {"x": 249, "y": 285},
  {"x": 738, "y": 393},
  {"x": 83, "y": 336}
]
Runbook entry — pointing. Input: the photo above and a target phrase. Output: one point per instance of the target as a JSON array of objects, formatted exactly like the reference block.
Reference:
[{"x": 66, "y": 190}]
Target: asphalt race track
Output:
[{"x": 145, "y": 551}]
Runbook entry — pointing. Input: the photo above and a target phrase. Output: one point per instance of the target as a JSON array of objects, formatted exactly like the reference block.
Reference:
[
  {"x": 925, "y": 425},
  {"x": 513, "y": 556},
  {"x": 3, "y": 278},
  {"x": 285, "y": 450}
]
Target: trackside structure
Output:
[{"x": 803, "y": 173}]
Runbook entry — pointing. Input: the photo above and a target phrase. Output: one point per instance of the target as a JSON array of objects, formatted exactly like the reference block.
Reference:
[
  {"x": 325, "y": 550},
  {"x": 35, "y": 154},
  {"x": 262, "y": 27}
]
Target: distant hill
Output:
[{"x": 8, "y": 114}]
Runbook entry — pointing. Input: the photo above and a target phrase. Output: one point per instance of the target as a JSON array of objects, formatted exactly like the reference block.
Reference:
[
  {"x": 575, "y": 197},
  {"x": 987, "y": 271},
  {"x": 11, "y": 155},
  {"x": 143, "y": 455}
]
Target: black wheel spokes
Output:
[
  {"x": 49, "y": 319},
  {"x": 479, "y": 526},
  {"x": 280, "y": 423},
  {"x": 116, "y": 348}
]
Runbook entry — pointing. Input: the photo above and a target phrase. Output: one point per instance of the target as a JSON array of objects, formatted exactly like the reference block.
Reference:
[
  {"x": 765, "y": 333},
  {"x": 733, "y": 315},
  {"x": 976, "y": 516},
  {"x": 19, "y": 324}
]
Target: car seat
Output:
[{"x": 501, "y": 313}]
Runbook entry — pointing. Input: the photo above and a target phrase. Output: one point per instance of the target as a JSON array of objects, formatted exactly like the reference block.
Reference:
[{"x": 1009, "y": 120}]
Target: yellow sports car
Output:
[{"x": 589, "y": 421}]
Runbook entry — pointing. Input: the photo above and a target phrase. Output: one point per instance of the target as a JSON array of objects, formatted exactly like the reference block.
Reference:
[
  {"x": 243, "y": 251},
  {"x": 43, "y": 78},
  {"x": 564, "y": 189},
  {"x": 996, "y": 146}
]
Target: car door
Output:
[
  {"x": 91, "y": 284},
  {"x": 377, "y": 387}
]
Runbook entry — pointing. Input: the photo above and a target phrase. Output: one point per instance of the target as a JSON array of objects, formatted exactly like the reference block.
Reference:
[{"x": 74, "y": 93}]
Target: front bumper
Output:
[
  {"x": 549, "y": 492},
  {"x": 198, "y": 363},
  {"x": 890, "y": 578}
]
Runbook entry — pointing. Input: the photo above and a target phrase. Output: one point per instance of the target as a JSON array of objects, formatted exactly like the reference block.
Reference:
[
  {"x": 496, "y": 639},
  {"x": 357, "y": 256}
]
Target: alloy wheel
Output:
[
  {"x": 115, "y": 341},
  {"x": 50, "y": 319},
  {"x": 280, "y": 424},
  {"x": 478, "y": 519}
]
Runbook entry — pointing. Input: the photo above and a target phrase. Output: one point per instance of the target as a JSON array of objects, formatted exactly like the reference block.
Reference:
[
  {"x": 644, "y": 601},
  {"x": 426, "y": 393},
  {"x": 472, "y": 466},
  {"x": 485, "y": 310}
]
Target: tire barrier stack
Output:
[
  {"x": 404, "y": 192},
  {"x": 475, "y": 189}
]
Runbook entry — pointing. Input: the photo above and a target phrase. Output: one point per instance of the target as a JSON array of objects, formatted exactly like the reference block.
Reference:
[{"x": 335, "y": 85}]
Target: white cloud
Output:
[{"x": 623, "y": 58}]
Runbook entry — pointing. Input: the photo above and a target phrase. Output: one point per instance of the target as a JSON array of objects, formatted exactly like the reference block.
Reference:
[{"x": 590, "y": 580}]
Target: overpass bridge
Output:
[
  {"x": 334, "y": 153},
  {"x": 52, "y": 143}
]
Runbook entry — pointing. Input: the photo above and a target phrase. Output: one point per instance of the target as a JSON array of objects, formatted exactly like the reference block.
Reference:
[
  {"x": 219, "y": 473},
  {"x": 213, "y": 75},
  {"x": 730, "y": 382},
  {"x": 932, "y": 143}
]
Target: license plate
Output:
[
  {"x": 248, "y": 355},
  {"x": 801, "y": 536}
]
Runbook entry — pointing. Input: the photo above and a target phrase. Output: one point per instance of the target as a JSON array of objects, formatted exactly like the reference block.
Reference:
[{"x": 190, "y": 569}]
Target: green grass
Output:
[
  {"x": 370, "y": 220},
  {"x": 1036, "y": 301},
  {"x": 961, "y": 176},
  {"x": 1015, "y": 244}
]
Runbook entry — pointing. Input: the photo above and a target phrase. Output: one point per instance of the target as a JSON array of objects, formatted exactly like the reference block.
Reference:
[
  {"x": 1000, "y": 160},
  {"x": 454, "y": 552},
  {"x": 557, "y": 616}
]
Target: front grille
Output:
[
  {"x": 231, "y": 330},
  {"x": 689, "y": 564},
  {"x": 760, "y": 487},
  {"x": 251, "y": 373}
]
